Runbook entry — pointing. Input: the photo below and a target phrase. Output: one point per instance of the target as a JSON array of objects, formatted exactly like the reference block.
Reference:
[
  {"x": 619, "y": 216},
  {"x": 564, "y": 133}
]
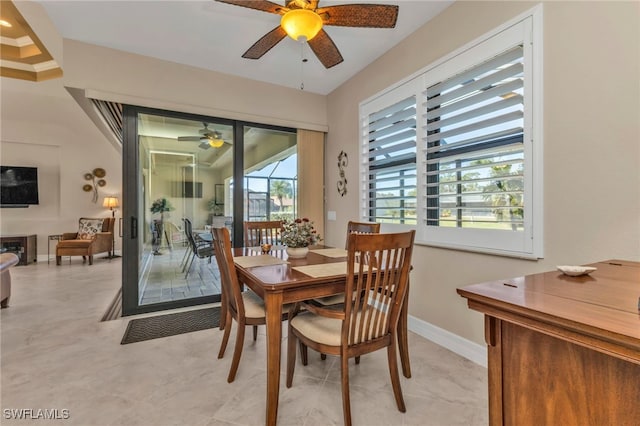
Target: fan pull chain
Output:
[{"x": 302, "y": 61}]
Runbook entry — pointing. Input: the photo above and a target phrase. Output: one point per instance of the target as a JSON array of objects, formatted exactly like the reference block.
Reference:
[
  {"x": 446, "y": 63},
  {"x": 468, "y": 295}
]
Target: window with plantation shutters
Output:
[
  {"x": 389, "y": 152},
  {"x": 456, "y": 149},
  {"x": 475, "y": 151}
]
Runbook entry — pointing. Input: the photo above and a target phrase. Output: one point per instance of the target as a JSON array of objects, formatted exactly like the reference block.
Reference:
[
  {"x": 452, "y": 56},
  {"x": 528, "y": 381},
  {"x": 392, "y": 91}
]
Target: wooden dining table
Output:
[{"x": 279, "y": 280}]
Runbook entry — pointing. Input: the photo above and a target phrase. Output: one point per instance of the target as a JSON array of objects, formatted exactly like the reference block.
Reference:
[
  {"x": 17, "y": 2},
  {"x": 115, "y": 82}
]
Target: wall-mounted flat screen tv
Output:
[{"x": 18, "y": 186}]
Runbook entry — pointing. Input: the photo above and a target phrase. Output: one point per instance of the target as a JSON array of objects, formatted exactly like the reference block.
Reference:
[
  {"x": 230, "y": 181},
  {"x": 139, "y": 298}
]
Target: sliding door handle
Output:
[{"x": 134, "y": 227}]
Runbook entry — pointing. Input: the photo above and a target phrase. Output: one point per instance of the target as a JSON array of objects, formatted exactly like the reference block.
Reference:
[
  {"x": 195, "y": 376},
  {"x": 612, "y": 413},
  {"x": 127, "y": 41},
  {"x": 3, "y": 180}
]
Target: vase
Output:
[{"x": 297, "y": 252}]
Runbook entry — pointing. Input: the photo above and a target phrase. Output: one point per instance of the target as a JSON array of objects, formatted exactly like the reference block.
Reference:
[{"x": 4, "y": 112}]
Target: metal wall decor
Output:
[
  {"x": 96, "y": 181},
  {"x": 343, "y": 162}
]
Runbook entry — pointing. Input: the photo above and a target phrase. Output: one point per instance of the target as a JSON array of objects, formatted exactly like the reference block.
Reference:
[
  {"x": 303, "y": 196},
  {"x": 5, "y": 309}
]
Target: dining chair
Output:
[
  {"x": 245, "y": 307},
  {"x": 361, "y": 228},
  {"x": 363, "y": 324},
  {"x": 201, "y": 249},
  {"x": 352, "y": 227},
  {"x": 262, "y": 232}
]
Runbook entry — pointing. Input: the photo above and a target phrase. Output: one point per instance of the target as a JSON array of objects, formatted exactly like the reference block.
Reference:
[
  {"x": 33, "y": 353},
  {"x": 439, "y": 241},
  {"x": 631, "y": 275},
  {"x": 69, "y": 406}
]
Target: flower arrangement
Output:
[{"x": 299, "y": 233}]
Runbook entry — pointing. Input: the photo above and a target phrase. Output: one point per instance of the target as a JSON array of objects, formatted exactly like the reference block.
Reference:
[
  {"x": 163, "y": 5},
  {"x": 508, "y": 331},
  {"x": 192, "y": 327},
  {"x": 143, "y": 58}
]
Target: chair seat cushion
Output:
[
  {"x": 74, "y": 243},
  {"x": 205, "y": 251},
  {"x": 319, "y": 329},
  {"x": 253, "y": 305},
  {"x": 328, "y": 330},
  {"x": 336, "y": 299},
  {"x": 331, "y": 300}
]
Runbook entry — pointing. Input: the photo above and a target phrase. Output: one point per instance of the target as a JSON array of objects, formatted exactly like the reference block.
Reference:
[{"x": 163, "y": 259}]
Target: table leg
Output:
[
  {"x": 273, "y": 310},
  {"x": 403, "y": 336}
]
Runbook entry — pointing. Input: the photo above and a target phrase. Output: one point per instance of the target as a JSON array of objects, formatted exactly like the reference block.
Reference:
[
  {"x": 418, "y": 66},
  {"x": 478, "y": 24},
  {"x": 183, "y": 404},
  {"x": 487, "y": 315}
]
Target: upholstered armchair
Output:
[{"x": 95, "y": 235}]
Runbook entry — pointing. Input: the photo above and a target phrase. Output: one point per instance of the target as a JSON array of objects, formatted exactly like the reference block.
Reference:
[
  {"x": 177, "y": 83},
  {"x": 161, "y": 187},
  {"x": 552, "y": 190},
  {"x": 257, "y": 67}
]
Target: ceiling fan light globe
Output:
[
  {"x": 301, "y": 23},
  {"x": 216, "y": 143}
]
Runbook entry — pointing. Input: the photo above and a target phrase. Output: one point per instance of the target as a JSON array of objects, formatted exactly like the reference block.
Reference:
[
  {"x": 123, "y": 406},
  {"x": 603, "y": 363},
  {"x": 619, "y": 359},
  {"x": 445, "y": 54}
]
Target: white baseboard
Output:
[{"x": 463, "y": 347}]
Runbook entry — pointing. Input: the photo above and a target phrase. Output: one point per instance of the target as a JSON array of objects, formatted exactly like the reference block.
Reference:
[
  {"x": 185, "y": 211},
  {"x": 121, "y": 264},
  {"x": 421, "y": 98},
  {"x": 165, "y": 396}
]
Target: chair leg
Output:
[
  {"x": 304, "y": 357},
  {"x": 183, "y": 262},
  {"x": 84, "y": 259},
  {"x": 225, "y": 336},
  {"x": 223, "y": 310},
  {"x": 58, "y": 260},
  {"x": 358, "y": 359},
  {"x": 255, "y": 333},
  {"x": 237, "y": 352},
  {"x": 291, "y": 356},
  {"x": 185, "y": 258},
  {"x": 189, "y": 267},
  {"x": 346, "y": 402},
  {"x": 323, "y": 356},
  {"x": 395, "y": 376},
  {"x": 90, "y": 260},
  {"x": 403, "y": 339}
]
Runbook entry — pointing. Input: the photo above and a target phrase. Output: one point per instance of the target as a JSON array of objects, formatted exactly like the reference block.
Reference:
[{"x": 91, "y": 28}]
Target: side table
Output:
[{"x": 56, "y": 237}]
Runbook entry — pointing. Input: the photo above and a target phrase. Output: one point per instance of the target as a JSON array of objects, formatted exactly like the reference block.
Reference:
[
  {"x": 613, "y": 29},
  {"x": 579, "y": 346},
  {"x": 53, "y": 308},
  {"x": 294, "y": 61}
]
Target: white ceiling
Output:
[{"x": 212, "y": 35}]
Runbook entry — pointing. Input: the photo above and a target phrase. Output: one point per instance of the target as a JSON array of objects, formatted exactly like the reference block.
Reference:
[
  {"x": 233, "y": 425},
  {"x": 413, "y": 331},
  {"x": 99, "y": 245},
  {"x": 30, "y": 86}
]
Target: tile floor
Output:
[
  {"x": 163, "y": 280},
  {"x": 56, "y": 354}
]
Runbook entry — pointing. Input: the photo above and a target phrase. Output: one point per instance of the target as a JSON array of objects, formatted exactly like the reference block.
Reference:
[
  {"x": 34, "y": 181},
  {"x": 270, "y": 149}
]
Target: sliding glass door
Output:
[{"x": 180, "y": 175}]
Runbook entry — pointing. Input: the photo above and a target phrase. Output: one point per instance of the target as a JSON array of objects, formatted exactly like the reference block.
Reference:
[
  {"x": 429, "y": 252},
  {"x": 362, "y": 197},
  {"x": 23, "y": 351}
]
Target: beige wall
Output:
[
  {"x": 43, "y": 126},
  {"x": 591, "y": 145},
  {"x": 139, "y": 80}
]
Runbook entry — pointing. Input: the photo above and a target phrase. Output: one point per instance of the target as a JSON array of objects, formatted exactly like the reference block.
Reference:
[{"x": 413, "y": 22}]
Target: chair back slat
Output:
[
  {"x": 361, "y": 228},
  {"x": 378, "y": 268},
  {"x": 262, "y": 232},
  {"x": 224, "y": 257}
]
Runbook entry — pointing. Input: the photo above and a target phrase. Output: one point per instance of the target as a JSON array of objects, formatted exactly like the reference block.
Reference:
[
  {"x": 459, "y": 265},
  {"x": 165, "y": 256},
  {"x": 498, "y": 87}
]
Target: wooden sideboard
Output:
[
  {"x": 24, "y": 246},
  {"x": 563, "y": 350}
]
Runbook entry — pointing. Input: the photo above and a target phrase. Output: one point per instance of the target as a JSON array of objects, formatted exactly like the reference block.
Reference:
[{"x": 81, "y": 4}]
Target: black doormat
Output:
[{"x": 149, "y": 328}]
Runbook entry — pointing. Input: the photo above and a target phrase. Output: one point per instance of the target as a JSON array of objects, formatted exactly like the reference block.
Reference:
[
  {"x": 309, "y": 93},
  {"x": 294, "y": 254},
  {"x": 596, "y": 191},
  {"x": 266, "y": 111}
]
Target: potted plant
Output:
[
  {"x": 298, "y": 235},
  {"x": 214, "y": 207}
]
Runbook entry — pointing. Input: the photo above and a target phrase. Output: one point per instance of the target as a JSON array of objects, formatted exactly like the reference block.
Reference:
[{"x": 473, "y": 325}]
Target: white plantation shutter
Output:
[
  {"x": 389, "y": 163},
  {"x": 456, "y": 149},
  {"x": 475, "y": 151}
]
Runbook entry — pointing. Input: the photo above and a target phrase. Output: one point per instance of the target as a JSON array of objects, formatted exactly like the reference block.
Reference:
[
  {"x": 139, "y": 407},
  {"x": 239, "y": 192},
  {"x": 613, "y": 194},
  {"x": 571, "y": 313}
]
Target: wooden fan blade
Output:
[
  {"x": 360, "y": 15},
  {"x": 189, "y": 138},
  {"x": 265, "y": 44},
  {"x": 263, "y": 5},
  {"x": 325, "y": 49}
]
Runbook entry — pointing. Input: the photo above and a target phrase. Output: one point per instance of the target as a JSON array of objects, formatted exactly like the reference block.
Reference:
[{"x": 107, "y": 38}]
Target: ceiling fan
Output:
[
  {"x": 303, "y": 18},
  {"x": 208, "y": 138}
]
